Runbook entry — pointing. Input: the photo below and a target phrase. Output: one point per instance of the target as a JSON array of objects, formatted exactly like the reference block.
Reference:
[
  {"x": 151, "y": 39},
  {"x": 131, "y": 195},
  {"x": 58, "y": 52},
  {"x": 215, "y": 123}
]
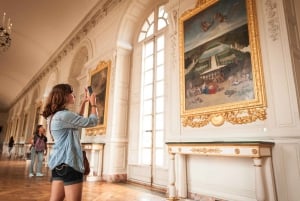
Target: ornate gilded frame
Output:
[
  {"x": 221, "y": 73},
  {"x": 100, "y": 80}
]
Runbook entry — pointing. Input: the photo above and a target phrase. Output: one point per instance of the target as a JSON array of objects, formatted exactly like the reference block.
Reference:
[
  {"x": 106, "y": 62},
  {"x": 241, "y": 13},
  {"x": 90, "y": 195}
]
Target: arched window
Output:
[{"x": 152, "y": 37}]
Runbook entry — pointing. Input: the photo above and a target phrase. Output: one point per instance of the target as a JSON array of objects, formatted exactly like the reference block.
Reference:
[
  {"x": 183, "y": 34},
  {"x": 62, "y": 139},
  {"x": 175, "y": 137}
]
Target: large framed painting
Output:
[
  {"x": 221, "y": 73},
  {"x": 99, "y": 81}
]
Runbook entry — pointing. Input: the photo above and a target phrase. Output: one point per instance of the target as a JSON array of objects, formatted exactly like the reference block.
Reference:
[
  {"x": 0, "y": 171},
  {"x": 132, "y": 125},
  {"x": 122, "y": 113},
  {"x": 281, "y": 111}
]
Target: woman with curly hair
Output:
[{"x": 66, "y": 158}]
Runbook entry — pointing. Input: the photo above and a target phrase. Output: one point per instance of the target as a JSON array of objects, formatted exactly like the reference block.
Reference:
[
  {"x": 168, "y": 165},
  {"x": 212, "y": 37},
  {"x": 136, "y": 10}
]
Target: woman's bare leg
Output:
[
  {"x": 57, "y": 191},
  {"x": 73, "y": 192}
]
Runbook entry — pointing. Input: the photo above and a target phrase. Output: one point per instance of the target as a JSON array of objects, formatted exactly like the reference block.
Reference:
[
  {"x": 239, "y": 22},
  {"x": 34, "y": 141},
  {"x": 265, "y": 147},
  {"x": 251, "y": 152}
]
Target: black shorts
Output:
[{"x": 66, "y": 174}]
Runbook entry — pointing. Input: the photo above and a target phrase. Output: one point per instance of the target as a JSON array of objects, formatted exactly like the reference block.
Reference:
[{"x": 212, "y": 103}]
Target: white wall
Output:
[
  {"x": 282, "y": 125},
  {"x": 113, "y": 37}
]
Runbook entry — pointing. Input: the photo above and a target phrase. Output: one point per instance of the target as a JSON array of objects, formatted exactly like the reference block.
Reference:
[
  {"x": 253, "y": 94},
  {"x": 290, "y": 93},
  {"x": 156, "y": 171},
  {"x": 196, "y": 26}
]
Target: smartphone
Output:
[{"x": 90, "y": 89}]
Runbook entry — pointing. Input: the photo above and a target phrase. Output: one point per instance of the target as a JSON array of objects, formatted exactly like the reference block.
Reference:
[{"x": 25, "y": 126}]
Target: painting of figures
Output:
[{"x": 219, "y": 58}]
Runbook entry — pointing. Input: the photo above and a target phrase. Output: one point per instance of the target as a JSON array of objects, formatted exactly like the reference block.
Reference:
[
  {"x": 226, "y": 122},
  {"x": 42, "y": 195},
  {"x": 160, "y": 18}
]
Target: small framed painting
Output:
[{"x": 99, "y": 81}]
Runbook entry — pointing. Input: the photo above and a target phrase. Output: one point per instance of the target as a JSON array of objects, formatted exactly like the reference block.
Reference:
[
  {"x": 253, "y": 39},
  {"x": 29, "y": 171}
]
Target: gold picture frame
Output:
[
  {"x": 221, "y": 73},
  {"x": 100, "y": 80}
]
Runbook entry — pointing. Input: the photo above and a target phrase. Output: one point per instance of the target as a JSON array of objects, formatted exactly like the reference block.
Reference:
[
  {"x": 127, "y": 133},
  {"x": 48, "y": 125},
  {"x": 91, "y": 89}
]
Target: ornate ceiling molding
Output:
[{"x": 70, "y": 43}]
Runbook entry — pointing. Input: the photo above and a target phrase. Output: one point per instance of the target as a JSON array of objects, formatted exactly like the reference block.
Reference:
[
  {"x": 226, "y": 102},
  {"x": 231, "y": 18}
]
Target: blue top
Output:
[{"x": 64, "y": 128}]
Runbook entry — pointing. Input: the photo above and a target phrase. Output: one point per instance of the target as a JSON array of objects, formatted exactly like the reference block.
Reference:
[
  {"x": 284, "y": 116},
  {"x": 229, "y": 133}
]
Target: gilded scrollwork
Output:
[
  {"x": 232, "y": 116},
  {"x": 204, "y": 150}
]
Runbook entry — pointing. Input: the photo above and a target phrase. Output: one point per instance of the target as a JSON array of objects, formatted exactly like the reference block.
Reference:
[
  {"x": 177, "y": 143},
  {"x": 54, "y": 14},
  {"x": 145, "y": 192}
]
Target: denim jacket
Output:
[{"x": 64, "y": 128}]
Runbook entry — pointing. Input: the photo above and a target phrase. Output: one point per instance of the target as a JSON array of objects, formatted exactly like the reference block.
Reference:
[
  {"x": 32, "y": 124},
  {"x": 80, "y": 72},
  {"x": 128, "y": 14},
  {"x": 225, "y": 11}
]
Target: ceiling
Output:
[{"x": 39, "y": 28}]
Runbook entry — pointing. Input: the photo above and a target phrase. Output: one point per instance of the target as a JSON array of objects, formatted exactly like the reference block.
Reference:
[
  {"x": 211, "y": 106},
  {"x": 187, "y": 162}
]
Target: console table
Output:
[
  {"x": 94, "y": 152},
  {"x": 259, "y": 151}
]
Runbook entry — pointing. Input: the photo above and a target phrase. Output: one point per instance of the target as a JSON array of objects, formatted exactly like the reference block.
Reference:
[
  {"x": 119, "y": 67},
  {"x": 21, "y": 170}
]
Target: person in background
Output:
[
  {"x": 66, "y": 158},
  {"x": 11, "y": 144},
  {"x": 38, "y": 150}
]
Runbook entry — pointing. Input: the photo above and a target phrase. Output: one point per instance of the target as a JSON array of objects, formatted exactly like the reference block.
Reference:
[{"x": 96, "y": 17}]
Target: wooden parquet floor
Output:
[{"x": 16, "y": 185}]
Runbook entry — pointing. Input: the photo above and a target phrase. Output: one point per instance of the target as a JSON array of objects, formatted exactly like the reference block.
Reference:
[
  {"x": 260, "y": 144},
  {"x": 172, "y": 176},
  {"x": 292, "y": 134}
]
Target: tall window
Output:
[{"x": 152, "y": 36}]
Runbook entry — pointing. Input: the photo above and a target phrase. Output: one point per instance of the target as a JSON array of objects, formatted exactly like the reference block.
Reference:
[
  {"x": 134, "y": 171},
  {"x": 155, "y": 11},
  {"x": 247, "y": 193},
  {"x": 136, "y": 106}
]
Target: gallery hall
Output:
[{"x": 150, "y": 100}]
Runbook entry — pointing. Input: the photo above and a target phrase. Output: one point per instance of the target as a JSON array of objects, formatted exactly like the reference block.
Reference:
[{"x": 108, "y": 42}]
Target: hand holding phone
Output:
[
  {"x": 92, "y": 98},
  {"x": 90, "y": 89}
]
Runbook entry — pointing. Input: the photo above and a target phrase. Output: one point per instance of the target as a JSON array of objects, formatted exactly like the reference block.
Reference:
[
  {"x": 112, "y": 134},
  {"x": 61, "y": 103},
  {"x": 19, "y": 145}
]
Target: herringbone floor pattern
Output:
[{"x": 15, "y": 185}]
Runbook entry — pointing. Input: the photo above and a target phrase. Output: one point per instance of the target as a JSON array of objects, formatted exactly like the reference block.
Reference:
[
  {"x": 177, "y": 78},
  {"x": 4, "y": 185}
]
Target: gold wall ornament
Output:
[
  {"x": 233, "y": 116},
  {"x": 246, "y": 116},
  {"x": 217, "y": 120},
  {"x": 99, "y": 81},
  {"x": 195, "y": 121},
  {"x": 221, "y": 73}
]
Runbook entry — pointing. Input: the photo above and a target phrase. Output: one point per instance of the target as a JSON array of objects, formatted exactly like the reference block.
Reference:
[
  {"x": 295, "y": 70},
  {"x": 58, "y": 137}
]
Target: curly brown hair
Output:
[
  {"x": 37, "y": 129},
  {"x": 57, "y": 99}
]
